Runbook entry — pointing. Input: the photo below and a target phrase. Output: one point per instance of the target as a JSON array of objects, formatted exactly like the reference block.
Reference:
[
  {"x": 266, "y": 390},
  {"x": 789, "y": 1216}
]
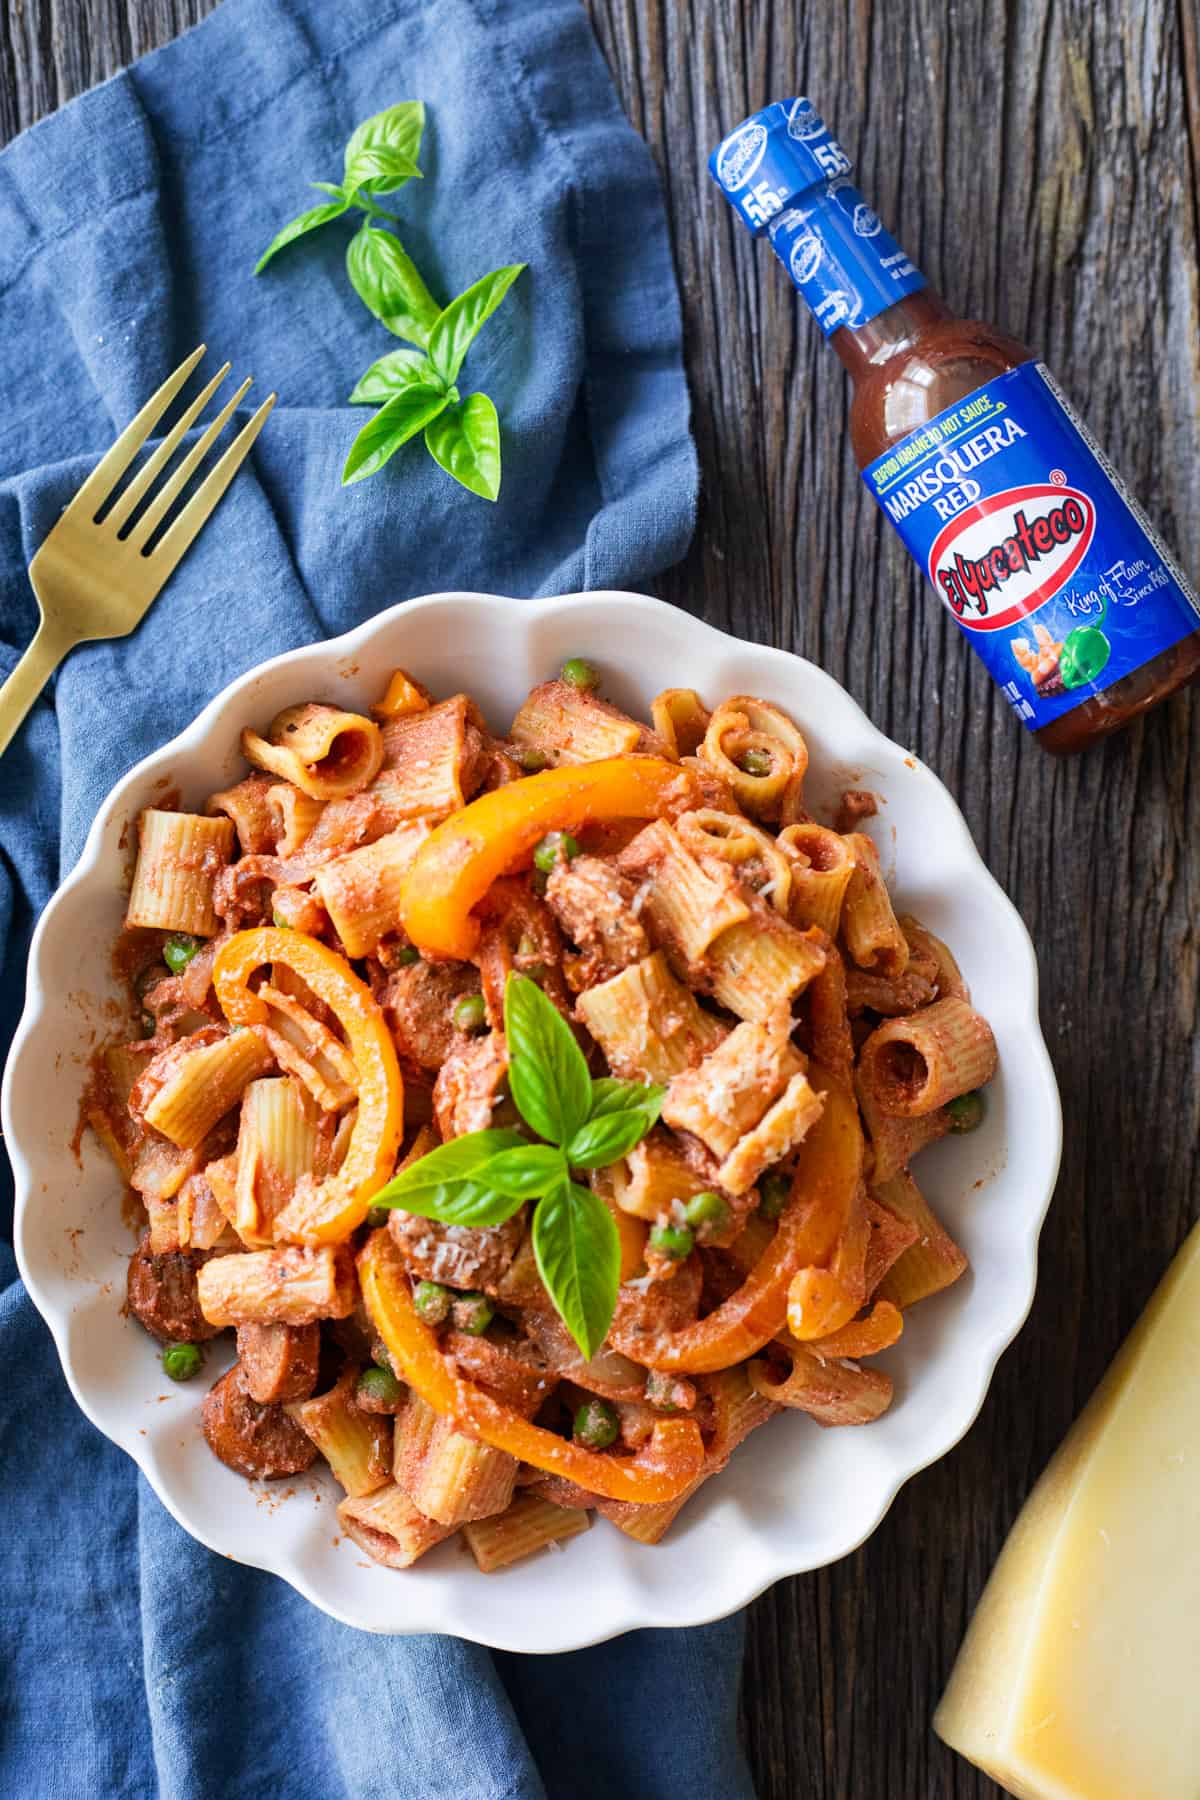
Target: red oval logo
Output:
[{"x": 1004, "y": 557}]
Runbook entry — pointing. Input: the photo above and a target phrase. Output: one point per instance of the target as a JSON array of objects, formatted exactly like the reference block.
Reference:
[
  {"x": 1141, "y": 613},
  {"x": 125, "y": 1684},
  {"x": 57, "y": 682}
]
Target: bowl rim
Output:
[{"x": 39, "y": 994}]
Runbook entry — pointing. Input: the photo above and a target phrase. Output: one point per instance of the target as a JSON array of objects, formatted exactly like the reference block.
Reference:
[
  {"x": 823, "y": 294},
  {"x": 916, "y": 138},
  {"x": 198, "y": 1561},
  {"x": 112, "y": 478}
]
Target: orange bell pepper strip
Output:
[
  {"x": 661, "y": 1471},
  {"x": 326, "y": 1212},
  {"x": 826, "y": 1181},
  {"x": 881, "y": 1328},
  {"x": 823, "y": 1299},
  {"x": 497, "y": 833}
]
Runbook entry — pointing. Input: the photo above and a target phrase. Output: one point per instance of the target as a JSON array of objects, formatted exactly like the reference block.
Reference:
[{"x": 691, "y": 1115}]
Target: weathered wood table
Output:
[{"x": 1041, "y": 163}]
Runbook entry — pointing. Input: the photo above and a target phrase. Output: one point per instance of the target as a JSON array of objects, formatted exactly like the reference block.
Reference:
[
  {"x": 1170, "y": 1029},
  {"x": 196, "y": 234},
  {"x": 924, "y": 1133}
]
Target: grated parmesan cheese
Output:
[{"x": 640, "y": 898}]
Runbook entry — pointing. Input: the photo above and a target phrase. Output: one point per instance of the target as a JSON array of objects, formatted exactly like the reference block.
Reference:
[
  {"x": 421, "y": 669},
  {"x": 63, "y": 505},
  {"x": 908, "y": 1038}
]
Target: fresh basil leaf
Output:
[
  {"x": 391, "y": 427},
  {"x": 391, "y": 375},
  {"x": 378, "y": 170},
  {"x": 462, "y": 1159},
  {"x": 465, "y": 440},
  {"x": 398, "y": 129},
  {"x": 602, "y": 1141},
  {"x": 300, "y": 227},
  {"x": 386, "y": 280},
  {"x": 612, "y": 1096},
  {"x": 525, "y": 1172},
  {"x": 460, "y": 1203},
  {"x": 458, "y": 326},
  {"x": 547, "y": 1075},
  {"x": 578, "y": 1257},
  {"x": 332, "y": 189}
]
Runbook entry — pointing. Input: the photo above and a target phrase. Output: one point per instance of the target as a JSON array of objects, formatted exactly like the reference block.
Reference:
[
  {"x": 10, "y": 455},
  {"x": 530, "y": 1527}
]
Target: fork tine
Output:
[
  {"x": 109, "y": 470},
  {"x": 170, "y": 491},
  {"x": 150, "y": 470},
  {"x": 178, "y": 538}
]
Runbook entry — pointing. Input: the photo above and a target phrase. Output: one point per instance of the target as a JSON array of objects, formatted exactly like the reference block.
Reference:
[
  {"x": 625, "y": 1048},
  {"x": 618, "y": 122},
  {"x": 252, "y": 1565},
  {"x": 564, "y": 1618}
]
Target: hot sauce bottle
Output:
[{"x": 962, "y": 436}]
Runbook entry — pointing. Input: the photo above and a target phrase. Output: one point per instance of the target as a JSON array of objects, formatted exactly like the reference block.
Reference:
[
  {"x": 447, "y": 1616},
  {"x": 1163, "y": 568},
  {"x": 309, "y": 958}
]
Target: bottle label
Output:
[{"x": 1033, "y": 543}]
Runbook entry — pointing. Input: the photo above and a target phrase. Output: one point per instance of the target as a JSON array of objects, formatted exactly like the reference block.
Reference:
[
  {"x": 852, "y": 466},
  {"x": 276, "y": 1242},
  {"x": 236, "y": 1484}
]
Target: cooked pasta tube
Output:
[
  {"x": 277, "y": 1144},
  {"x": 870, "y": 929},
  {"x": 255, "y": 819},
  {"x": 653, "y": 1174},
  {"x": 361, "y": 890},
  {"x": 913, "y": 1066},
  {"x": 291, "y": 1286},
  {"x": 324, "y": 752},
  {"x": 649, "y": 1026},
  {"x": 433, "y": 760},
  {"x": 933, "y": 1261},
  {"x": 179, "y": 858},
  {"x": 297, "y": 812},
  {"x": 762, "y": 963},
  {"x": 822, "y": 864},
  {"x": 680, "y": 718},
  {"x": 762, "y": 755},
  {"x": 357, "y": 1445},
  {"x": 733, "y": 1088},
  {"x": 833, "y": 1391},
  {"x": 569, "y": 725},
  {"x": 891, "y": 1236},
  {"x": 895, "y": 1141},
  {"x": 647, "y": 1524},
  {"x": 829, "y": 1018},
  {"x": 784, "y": 1125},
  {"x": 207, "y": 1083},
  {"x": 922, "y": 942},
  {"x": 752, "y": 853},
  {"x": 687, "y": 907},
  {"x": 447, "y": 1475},
  {"x": 529, "y": 1524},
  {"x": 389, "y": 1528}
]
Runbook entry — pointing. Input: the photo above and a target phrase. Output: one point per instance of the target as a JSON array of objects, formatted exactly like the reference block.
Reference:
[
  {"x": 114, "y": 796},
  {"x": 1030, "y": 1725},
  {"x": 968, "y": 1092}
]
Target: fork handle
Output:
[{"x": 28, "y": 679}]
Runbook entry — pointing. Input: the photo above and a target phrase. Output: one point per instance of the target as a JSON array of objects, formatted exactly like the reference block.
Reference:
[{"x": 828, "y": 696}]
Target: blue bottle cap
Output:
[
  {"x": 773, "y": 158},
  {"x": 784, "y": 174}
]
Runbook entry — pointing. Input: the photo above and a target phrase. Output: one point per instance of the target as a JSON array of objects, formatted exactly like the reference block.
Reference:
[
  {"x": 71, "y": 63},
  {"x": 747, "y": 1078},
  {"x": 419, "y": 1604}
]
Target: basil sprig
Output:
[
  {"x": 487, "y": 1176},
  {"x": 415, "y": 390}
]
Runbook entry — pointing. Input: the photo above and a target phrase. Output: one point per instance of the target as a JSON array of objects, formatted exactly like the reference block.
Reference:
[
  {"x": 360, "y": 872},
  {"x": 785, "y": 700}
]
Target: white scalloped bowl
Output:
[{"x": 795, "y": 1497}]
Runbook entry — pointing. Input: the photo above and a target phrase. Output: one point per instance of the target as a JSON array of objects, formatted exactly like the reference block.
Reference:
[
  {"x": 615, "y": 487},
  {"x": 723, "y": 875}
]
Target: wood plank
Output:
[{"x": 1041, "y": 162}]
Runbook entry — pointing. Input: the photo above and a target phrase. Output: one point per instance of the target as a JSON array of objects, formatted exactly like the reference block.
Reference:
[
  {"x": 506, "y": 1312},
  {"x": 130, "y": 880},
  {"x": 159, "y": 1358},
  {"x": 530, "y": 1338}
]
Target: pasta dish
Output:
[{"x": 538, "y": 1110}]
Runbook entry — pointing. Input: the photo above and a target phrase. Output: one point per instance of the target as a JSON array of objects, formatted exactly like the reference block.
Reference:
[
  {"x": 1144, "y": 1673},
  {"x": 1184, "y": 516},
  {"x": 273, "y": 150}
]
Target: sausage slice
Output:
[
  {"x": 162, "y": 1294},
  {"x": 259, "y": 1442},
  {"x": 279, "y": 1362}
]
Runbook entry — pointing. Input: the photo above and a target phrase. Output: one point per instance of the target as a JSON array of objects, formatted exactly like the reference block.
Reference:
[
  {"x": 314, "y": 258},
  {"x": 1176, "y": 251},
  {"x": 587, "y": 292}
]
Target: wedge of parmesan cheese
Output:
[{"x": 1080, "y": 1675}]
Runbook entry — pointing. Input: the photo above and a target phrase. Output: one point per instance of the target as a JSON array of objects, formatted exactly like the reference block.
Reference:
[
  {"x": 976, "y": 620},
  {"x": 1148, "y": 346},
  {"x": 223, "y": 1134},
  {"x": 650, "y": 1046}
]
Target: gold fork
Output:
[{"x": 93, "y": 583}]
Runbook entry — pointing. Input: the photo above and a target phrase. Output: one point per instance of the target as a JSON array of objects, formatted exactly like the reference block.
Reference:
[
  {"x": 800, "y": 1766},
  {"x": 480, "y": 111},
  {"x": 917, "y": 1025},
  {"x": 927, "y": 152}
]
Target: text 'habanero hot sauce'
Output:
[{"x": 997, "y": 488}]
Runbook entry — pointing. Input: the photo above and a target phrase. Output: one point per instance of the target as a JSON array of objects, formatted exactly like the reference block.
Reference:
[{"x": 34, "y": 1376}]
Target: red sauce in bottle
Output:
[{"x": 995, "y": 485}]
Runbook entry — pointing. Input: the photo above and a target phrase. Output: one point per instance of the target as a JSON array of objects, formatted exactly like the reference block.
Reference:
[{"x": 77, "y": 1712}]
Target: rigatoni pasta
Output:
[{"x": 738, "y": 963}]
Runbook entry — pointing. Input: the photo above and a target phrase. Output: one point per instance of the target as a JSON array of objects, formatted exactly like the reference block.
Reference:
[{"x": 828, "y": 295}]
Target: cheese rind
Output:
[{"x": 1079, "y": 1676}]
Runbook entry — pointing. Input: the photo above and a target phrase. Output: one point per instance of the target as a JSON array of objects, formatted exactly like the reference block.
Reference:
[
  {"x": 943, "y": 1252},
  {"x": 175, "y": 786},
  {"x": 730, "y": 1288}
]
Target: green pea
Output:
[
  {"x": 470, "y": 1013},
  {"x": 756, "y": 762},
  {"x": 660, "y": 1387},
  {"x": 773, "y": 1195},
  {"x": 432, "y": 1302},
  {"x": 596, "y": 1425},
  {"x": 707, "y": 1209},
  {"x": 531, "y": 760},
  {"x": 405, "y": 955},
  {"x": 966, "y": 1113},
  {"x": 580, "y": 673},
  {"x": 182, "y": 1361},
  {"x": 547, "y": 855},
  {"x": 472, "y": 1313},
  {"x": 179, "y": 950},
  {"x": 379, "y": 1384},
  {"x": 279, "y": 924},
  {"x": 378, "y": 1216},
  {"x": 675, "y": 1241}
]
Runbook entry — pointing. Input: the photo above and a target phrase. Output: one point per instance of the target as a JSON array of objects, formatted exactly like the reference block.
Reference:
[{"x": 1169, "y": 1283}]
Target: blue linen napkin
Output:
[{"x": 133, "y": 1662}]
